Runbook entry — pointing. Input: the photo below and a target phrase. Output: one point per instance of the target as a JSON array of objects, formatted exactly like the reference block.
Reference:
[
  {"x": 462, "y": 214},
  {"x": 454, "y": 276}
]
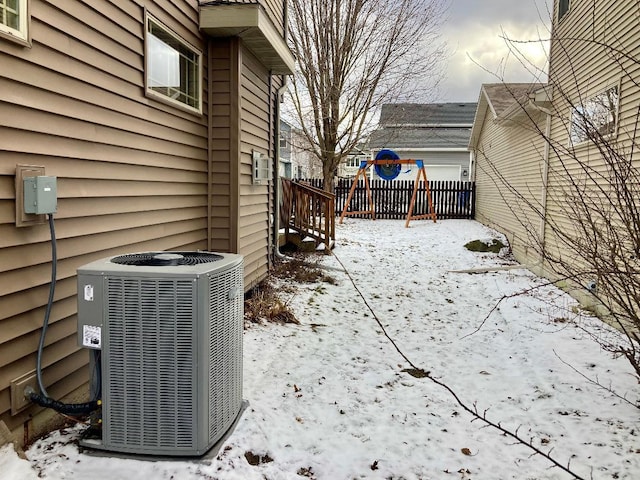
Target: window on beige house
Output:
[
  {"x": 563, "y": 8},
  {"x": 595, "y": 118},
  {"x": 14, "y": 20},
  {"x": 173, "y": 68}
]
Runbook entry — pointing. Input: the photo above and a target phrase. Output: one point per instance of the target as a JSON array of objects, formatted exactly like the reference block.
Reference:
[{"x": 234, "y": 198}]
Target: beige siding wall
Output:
[
  {"x": 241, "y": 213},
  {"x": 132, "y": 172},
  {"x": 593, "y": 48},
  {"x": 509, "y": 180},
  {"x": 273, "y": 8}
]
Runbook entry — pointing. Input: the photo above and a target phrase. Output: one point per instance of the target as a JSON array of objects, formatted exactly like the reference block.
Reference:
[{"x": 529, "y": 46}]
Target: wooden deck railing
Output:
[{"x": 309, "y": 211}]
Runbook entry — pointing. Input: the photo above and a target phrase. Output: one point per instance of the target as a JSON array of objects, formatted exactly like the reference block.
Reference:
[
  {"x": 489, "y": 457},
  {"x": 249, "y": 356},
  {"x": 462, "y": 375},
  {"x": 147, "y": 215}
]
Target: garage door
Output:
[{"x": 443, "y": 172}]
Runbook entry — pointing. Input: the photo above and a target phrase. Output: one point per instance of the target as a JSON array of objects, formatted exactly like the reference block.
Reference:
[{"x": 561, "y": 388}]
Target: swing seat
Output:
[{"x": 387, "y": 171}]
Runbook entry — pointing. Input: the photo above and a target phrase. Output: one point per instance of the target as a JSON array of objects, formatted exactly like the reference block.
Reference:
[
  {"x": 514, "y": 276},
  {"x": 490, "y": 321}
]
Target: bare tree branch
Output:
[
  {"x": 587, "y": 227},
  {"x": 597, "y": 383},
  {"x": 506, "y": 297},
  {"x": 353, "y": 56},
  {"x": 418, "y": 372}
]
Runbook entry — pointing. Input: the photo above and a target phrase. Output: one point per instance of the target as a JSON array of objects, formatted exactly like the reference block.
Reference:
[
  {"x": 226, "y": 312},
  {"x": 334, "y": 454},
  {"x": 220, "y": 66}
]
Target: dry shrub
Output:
[
  {"x": 301, "y": 270},
  {"x": 262, "y": 304}
]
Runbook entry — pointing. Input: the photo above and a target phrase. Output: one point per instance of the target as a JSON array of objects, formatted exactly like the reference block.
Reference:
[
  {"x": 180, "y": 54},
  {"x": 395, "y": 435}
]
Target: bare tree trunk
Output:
[{"x": 352, "y": 57}]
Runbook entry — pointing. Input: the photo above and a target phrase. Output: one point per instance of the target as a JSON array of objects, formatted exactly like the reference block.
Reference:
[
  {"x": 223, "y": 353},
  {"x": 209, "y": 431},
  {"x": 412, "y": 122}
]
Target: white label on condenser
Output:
[
  {"x": 88, "y": 293},
  {"x": 91, "y": 336}
]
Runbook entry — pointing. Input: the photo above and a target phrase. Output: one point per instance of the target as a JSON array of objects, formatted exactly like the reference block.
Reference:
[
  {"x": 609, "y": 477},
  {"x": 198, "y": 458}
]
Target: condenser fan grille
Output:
[{"x": 151, "y": 259}]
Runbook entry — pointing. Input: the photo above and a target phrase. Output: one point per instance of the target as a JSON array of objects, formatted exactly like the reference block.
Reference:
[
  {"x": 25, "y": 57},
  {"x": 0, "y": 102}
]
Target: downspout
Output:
[
  {"x": 472, "y": 165},
  {"x": 276, "y": 203},
  {"x": 545, "y": 183},
  {"x": 545, "y": 177},
  {"x": 472, "y": 182},
  {"x": 274, "y": 127},
  {"x": 285, "y": 20}
]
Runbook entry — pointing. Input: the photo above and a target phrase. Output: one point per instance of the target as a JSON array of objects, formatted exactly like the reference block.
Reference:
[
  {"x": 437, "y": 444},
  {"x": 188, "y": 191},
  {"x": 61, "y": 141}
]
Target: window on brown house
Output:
[
  {"x": 14, "y": 20},
  {"x": 173, "y": 68}
]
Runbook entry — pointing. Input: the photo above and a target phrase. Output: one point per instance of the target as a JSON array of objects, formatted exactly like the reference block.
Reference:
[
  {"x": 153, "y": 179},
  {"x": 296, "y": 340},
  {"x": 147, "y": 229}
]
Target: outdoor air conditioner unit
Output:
[{"x": 165, "y": 329}]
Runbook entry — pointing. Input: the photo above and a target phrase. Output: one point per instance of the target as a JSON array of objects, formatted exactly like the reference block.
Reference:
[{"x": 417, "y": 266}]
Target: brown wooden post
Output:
[
  {"x": 361, "y": 171},
  {"x": 432, "y": 213},
  {"x": 372, "y": 209},
  {"x": 351, "y": 190}
]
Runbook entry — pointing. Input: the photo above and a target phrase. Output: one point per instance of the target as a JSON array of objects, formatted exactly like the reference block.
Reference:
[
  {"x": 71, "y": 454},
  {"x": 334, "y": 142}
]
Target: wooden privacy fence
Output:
[{"x": 391, "y": 198}]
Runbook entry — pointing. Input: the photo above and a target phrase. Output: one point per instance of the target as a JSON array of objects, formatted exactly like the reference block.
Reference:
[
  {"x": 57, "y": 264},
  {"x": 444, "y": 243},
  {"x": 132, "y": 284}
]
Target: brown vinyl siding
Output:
[
  {"x": 275, "y": 10},
  {"x": 223, "y": 144},
  {"x": 240, "y": 209},
  {"x": 253, "y": 221},
  {"x": 132, "y": 172}
]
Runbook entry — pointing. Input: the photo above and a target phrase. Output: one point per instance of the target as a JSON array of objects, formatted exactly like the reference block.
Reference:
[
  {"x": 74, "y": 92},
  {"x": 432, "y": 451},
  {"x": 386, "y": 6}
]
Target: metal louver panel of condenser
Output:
[
  {"x": 225, "y": 350},
  {"x": 150, "y": 385}
]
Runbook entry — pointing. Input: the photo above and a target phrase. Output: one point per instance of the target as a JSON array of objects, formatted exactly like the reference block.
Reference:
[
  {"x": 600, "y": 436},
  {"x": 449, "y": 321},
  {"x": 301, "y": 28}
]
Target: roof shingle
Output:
[
  {"x": 425, "y": 114},
  {"x": 406, "y": 138},
  {"x": 502, "y": 95}
]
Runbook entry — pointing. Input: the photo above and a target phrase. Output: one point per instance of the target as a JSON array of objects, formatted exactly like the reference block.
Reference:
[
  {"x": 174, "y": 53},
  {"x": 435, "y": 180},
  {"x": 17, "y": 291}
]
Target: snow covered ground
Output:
[{"x": 329, "y": 398}]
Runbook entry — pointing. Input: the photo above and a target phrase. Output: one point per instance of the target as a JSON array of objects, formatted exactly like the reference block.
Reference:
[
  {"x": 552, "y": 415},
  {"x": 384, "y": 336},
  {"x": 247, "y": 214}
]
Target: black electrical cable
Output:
[
  {"x": 66, "y": 408},
  {"x": 47, "y": 313},
  {"x": 43, "y": 398}
]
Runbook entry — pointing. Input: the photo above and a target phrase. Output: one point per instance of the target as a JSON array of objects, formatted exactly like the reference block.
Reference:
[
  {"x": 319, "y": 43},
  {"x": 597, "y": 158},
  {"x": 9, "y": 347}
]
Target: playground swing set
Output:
[{"x": 387, "y": 165}]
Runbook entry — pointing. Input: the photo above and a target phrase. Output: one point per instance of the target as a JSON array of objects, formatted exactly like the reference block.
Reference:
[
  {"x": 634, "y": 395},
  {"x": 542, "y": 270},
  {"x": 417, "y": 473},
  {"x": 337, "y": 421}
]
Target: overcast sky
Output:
[{"x": 473, "y": 32}]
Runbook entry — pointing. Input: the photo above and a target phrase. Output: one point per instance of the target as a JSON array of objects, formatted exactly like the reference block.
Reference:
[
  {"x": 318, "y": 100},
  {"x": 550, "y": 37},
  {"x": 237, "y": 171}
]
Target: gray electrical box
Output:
[{"x": 40, "y": 195}]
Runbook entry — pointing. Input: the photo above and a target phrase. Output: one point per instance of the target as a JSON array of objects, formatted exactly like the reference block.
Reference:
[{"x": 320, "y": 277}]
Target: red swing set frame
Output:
[{"x": 362, "y": 171}]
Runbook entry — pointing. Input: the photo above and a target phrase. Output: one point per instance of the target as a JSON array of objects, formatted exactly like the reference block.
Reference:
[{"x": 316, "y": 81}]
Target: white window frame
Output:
[
  {"x": 591, "y": 119},
  {"x": 149, "y": 87},
  {"x": 21, "y": 34}
]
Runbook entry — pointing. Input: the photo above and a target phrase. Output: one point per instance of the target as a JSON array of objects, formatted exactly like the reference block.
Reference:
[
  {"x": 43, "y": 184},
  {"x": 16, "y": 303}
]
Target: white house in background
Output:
[
  {"x": 350, "y": 166},
  {"x": 437, "y": 133},
  {"x": 284, "y": 150},
  {"x": 295, "y": 158}
]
